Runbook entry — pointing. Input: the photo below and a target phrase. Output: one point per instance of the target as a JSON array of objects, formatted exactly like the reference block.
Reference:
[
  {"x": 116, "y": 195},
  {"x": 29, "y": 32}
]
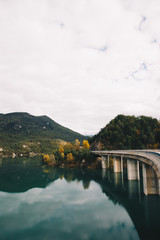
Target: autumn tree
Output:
[
  {"x": 61, "y": 150},
  {"x": 70, "y": 157},
  {"x": 85, "y": 144},
  {"x": 46, "y": 158},
  {"x": 62, "y": 154},
  {"x": 77, "y": 144}
]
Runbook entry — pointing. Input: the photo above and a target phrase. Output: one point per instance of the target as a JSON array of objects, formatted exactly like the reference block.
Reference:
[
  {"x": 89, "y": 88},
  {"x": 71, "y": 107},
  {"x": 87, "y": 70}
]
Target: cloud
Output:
[
  {"x": 39, "y": 212},
  {"x": 80, "y": 63},
  {"x": 141, "y": 23}
]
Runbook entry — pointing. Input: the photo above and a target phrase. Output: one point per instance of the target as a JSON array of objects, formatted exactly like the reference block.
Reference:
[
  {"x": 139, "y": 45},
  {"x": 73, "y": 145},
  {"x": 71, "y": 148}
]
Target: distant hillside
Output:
[
  {"x": 21, "y": 127},
  {"x": 128, "y": 132}
]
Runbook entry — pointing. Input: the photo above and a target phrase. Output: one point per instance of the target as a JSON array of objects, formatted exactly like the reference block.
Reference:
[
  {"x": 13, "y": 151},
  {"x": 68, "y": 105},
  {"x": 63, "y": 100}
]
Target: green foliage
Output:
[
  {"x": 18, "y": 129},
  {"x": 128, "y": 132},
  {"x": 71, "y": 156},
  {"x": 24, "y": 126}
]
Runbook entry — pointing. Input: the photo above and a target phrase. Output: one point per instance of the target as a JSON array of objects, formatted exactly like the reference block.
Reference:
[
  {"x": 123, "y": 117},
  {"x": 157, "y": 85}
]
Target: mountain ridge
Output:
[{"x": 23, "y": 125}]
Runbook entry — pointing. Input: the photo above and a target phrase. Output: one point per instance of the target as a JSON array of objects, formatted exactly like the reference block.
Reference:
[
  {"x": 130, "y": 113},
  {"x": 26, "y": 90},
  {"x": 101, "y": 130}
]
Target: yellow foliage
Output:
[
  {"x": 46, "y": 158},
  {"x": 61, "y": 150},
  {"x": 45, "y": 170},
  {"x": 70, "y": 157},
  {"x": 62, "y": 154},
  {"x": 85, "y": 144}
]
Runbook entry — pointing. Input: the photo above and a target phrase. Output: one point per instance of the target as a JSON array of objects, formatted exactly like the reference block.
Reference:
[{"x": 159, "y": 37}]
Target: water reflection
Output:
[{"x": 41, "y": 203}]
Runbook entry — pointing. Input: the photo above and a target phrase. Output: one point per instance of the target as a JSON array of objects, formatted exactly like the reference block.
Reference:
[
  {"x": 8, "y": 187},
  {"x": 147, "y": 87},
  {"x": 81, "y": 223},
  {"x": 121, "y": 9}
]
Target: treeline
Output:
[
  {"x": 128, "y": 132},
  {"x": 72, "y": 155},
  {"x": 27, "y": 147}
]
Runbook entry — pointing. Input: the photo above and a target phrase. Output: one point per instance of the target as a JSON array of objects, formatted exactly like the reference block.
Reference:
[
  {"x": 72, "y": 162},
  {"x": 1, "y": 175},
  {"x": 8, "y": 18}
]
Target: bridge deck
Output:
[{"x": 150, "y": 157}]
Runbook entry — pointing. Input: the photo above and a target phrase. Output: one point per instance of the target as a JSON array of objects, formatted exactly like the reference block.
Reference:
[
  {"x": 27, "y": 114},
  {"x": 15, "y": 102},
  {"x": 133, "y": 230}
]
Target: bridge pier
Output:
[
  {"x": 108, "y": 161},
  {"x": 158, "y": 192},
  {"x": 133, "y": 169},
  {"x": 121, "y": 164},
  {"x": 118, "y": 164},
  {"x": 151, "y": 184},
  {"x": 150, "y": 177},
  {"x": 104, "y": 164}
]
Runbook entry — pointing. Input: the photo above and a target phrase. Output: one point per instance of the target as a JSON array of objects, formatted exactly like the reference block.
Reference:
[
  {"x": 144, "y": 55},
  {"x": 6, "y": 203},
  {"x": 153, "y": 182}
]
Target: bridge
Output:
[{"x": 141, "y": 165}]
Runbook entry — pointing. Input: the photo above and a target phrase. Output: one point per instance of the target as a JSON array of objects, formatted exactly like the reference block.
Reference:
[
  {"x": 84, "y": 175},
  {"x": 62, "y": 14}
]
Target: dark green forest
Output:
[
  {"x": 128, "y": 132},
  {"x": 23, "y": 133}
]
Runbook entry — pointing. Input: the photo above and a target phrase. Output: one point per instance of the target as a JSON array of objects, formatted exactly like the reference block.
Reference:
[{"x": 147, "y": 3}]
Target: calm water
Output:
[{"x": 40, "y": 203}]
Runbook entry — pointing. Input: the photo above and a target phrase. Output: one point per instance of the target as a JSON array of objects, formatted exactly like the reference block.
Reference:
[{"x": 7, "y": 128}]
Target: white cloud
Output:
[{"x": 80, "y": 62}]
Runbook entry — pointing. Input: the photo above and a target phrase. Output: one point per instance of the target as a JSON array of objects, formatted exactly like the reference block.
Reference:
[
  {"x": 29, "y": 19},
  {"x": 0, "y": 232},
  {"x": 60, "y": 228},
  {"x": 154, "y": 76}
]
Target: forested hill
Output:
[
  {"x": 23, "y": 126},
  {"x": 128, "y": 132}
]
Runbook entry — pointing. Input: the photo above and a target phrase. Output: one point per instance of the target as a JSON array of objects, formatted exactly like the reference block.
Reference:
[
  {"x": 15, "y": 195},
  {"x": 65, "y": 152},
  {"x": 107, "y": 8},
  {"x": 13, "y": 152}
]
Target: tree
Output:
[
  {"x": 62, "y": 154},
  {"x": 52, "y": 157},
  {"x": 70, "y": 157},
  {"x": 85, "y": 144},
  {"x": 61, "y": 150},
  {"x": 68, "y": 146},
  {"x": 77, "y": 144},
  {"x": 46, "y": 158}
]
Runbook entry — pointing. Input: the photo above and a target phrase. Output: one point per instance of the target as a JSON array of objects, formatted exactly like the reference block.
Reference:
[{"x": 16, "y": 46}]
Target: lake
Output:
[{"x": 43, "y": 203}]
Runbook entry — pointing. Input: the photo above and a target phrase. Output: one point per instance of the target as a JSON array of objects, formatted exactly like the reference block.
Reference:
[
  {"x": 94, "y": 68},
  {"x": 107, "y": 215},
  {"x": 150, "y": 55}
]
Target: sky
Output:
[{"x": 80, "y": 62}]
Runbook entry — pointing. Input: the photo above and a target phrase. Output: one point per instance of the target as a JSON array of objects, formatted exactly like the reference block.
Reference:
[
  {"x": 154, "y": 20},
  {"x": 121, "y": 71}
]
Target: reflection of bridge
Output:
[
  {"x": 143, "y": 210},
  {"x": 146, "y": 162}
]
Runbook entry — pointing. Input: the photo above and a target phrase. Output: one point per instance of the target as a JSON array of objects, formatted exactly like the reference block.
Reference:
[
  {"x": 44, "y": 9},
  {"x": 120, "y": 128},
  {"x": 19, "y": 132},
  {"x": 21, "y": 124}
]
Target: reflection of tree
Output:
[
  {"x": 39, "y": 176},
  {"x": 69, "y": 176},
  {"x": 86, "y": 184},
  {"x": 61, "y": 176}
]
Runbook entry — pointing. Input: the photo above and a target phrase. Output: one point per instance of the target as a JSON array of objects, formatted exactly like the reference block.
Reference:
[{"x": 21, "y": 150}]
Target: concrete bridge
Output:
[{"x": 141, "y": 165}]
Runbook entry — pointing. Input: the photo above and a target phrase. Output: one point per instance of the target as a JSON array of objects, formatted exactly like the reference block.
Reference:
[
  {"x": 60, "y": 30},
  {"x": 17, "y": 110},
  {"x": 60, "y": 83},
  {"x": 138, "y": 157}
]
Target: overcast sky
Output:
[{"x": 80, "y": 62}]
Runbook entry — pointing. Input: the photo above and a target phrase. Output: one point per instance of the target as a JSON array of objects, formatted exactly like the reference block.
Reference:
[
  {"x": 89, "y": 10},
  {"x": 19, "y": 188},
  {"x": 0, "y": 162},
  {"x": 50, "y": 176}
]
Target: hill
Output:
[
  {"x": 128, "y": 132},
  {"x": 20, "y": 127}
]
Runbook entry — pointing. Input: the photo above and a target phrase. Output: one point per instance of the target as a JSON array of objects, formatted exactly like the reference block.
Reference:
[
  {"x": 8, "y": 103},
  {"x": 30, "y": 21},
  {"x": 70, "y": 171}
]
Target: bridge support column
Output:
[
  {"x": 122, "y": 170},
  {"x": 108, "y": 161},
  {"x": 150, "y": 180},
  {"x": 104, "y": 164},
  {"x": 158, "y": 186},
  {"x": 117, "y": 165},
  {"x": 133, "y": 169},
  {"x": 144, "y": 174}
]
